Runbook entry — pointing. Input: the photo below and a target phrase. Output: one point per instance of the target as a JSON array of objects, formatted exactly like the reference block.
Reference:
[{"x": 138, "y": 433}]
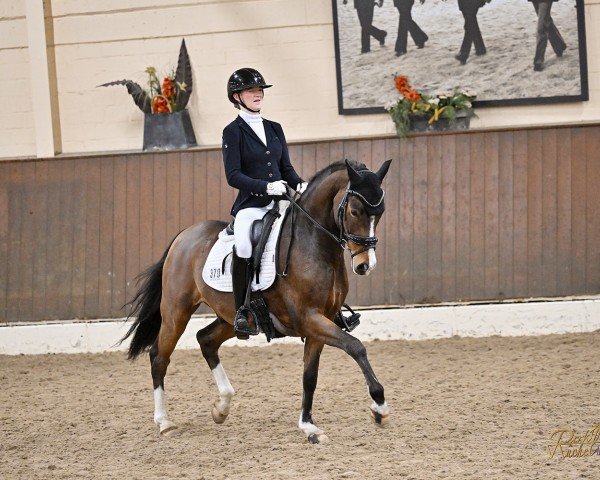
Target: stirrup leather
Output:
[{"x": 347, "y": 323}]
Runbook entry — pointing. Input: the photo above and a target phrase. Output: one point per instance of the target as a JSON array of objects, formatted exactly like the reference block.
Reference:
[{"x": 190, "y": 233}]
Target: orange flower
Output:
[
  {"x": 402, "y": 84},
  {"x": 412, "y": 95},
  {"x": 168, "y": 88},
  {"x": 160, "y": 105}
]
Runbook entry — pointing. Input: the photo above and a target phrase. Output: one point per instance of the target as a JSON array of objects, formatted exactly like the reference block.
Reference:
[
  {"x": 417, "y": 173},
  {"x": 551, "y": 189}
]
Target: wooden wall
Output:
[{"x": 470, "y": 216}]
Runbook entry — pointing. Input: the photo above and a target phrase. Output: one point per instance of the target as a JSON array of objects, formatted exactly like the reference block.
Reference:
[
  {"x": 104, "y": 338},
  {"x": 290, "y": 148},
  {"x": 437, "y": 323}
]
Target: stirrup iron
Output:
[
  {"x": 241, "y": 324},
  {"x": 347, "y": 323}
]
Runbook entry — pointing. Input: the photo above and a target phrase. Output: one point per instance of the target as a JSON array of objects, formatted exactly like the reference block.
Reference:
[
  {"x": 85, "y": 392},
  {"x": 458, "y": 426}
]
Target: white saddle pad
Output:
[{"x": 219, "y": 278}]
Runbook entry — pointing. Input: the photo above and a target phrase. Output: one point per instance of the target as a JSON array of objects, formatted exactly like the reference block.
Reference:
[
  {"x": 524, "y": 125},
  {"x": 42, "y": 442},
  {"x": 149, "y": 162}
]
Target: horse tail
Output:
[{"x": 145, "y": 306}]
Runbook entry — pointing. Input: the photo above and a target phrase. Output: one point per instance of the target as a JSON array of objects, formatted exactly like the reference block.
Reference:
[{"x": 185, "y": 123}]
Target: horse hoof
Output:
[
  {"x": 318, "y": 438},
  {"x": 380, "y": 419},
  {"x": 217, "y": 416},
  {"x": 168, "y": 428}
]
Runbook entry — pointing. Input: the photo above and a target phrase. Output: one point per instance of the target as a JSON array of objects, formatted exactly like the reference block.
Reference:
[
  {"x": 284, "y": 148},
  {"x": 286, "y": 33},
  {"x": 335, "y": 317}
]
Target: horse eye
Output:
[{"x": 354, "y": 212}]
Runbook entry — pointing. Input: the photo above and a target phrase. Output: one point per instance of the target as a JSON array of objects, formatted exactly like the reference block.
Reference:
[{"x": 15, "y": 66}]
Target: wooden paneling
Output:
[
  {"x": 472, "y": 216},
  {"x": 448, "y": 219},
  {"x": 505, "y": 216},
  {"x": 579, "y": 195}
]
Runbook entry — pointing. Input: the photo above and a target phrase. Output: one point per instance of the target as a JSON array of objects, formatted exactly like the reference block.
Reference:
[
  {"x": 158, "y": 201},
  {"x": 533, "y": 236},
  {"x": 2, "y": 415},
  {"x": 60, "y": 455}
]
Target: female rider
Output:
[{"x": 257, "y": 163}]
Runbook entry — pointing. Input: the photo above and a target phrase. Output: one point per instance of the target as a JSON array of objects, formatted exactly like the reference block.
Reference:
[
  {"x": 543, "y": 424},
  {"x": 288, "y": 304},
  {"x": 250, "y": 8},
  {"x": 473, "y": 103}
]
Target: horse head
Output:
[{"x": 361, "y": 207}]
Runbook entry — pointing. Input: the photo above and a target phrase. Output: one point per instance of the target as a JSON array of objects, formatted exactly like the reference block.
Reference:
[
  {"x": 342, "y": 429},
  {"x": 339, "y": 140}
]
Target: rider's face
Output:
[{"x": 252, "y": 97}]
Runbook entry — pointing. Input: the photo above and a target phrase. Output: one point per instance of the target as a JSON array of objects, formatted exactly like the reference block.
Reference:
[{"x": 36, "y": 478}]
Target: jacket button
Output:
[
  {"x": 270, "y": 174},
  {"x": 268, "y": 164},
  {"x": 268, "y": 153}
]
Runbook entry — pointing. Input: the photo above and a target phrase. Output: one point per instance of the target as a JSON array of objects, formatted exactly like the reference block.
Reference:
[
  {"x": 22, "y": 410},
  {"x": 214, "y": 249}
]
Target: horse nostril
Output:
[{"x": 362, "y": 268}]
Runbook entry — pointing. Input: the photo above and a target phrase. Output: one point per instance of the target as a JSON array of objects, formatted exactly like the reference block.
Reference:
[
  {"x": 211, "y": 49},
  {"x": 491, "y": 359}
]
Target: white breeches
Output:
[{"x": 242, "y": 225}]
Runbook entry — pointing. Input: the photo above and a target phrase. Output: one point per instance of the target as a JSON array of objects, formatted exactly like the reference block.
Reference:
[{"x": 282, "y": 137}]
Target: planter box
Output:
[
  {"x": 418, "y": 124},
  {"x": 168, "y": 131},
  {"x": 461, "y": 122}
]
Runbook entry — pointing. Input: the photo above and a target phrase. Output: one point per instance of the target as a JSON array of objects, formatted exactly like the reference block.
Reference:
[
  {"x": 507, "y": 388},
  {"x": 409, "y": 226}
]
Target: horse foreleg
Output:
[
  {"x": 324, "y": 330},
  {"x": 210, "y": 339},
  {"x": 312, "y": 355}
]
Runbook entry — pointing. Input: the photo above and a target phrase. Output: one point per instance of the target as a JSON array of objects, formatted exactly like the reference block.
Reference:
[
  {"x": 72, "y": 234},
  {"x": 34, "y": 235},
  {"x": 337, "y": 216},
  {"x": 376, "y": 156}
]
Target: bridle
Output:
[{"x": 344, "y": 237}]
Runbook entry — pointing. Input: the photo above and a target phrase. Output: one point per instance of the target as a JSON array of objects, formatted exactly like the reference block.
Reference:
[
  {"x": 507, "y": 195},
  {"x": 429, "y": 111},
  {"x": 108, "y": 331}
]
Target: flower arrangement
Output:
[
  {"x": 415, "y": 105},
  {"x": 172, "y": 95}
]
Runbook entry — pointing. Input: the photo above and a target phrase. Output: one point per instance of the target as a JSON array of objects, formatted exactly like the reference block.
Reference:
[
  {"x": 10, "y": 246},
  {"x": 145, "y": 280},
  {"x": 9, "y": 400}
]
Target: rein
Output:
[
  {"x": 340, "y": 241},
  {"x": 344, "y": 236}
]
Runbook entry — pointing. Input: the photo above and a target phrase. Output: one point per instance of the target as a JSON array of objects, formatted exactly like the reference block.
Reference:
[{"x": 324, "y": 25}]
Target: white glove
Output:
[
  {"x": 301, "y": 187},
  {"x": 276, "y": 188}
]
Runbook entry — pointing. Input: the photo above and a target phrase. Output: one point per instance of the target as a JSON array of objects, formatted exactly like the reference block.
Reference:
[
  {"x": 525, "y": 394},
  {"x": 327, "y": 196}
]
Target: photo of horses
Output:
[{"x": 510, "y": 52}]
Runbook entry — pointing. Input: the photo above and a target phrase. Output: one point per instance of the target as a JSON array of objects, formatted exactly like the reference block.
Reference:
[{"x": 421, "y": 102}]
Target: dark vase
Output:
[
  {"x": 418, "y": 123},
  {"x": 442, "y": 124},
  {"x": 462, "y": 121},
  {"x": 168, "y": 131}
]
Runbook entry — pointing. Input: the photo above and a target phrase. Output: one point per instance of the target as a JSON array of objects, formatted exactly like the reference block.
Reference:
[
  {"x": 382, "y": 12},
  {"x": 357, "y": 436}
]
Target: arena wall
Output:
[
  {"x": 290, "y": 41},
  {"x": 472, "y": 216}
]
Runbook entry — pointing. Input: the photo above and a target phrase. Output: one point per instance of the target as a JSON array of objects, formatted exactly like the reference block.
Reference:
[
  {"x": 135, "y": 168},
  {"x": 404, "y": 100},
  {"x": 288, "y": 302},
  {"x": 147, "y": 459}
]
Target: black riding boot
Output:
[{"x": 241, "y": 272}]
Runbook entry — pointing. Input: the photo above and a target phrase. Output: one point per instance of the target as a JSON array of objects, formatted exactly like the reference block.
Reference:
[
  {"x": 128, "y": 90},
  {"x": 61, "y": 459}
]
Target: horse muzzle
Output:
[{"x": 364, "y": 262}]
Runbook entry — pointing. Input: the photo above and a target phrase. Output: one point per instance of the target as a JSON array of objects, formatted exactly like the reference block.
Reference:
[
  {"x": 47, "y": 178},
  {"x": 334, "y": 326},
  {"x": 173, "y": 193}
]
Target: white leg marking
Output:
[
  {"x": 165, "y": 426},
  {"x": 308, "y": 428},
  {"x": 380, "y": 414},
  {"x": 226, "y": 391},
  {"x": 160, "y": 406},
  {"x": 313, "y": 433},
  {"x": 381, "y": 409}
]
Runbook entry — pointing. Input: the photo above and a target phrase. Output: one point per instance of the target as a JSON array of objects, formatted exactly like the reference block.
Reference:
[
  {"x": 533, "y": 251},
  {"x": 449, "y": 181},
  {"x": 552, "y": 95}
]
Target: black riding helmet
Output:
[{"x": 243, "y": 79}]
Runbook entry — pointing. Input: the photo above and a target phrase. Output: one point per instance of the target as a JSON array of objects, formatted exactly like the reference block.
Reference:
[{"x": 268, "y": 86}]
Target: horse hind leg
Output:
[
  {"x": 210, "y": 339},
  {"x": 172, "y": 327}
]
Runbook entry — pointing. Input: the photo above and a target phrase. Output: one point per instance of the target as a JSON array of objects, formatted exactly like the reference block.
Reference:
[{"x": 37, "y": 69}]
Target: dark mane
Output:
[{"x": 318, "y": 177}]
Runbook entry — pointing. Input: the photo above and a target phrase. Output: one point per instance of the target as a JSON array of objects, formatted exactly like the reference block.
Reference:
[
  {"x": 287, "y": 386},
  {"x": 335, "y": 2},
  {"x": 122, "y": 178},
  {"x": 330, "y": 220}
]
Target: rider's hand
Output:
[
  {"x": 276, "y": 188},
  {"x": 301, "y": 187}
]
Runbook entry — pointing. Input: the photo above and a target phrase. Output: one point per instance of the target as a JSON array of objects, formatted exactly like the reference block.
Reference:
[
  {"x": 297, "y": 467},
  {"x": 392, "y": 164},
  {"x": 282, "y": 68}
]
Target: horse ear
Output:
[
  {"x": 383, "y": 169},
  {"x": 353, "y": 175}
]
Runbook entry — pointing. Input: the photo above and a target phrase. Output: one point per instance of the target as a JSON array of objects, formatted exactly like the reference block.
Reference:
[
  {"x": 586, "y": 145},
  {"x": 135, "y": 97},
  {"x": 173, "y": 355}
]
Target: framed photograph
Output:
[{"x": 510, "y": 52}]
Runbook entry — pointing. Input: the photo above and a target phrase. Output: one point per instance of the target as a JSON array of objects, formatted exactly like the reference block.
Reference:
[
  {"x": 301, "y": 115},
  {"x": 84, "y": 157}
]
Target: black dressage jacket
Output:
[{"x": 250, "y": 164}]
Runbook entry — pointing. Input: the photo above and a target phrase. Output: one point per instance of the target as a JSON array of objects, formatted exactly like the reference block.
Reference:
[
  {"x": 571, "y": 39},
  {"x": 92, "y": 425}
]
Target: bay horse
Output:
[{"x": 340, "y": 208}]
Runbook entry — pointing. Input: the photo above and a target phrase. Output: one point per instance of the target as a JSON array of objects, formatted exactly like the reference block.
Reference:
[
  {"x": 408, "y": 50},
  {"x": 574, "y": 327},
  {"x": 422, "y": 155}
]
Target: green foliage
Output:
[{"x": 412, "y": 106}]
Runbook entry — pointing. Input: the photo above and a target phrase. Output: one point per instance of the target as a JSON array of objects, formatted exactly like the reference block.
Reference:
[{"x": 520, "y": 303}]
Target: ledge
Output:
[
  {"x": 479, "y": 320},
  {"x": 383, "y": 136}
]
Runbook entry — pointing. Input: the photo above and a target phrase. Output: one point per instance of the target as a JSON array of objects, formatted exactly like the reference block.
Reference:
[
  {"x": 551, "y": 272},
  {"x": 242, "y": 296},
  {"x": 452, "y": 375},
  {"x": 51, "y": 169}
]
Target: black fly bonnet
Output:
[{"x": 366, "y": 186}]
